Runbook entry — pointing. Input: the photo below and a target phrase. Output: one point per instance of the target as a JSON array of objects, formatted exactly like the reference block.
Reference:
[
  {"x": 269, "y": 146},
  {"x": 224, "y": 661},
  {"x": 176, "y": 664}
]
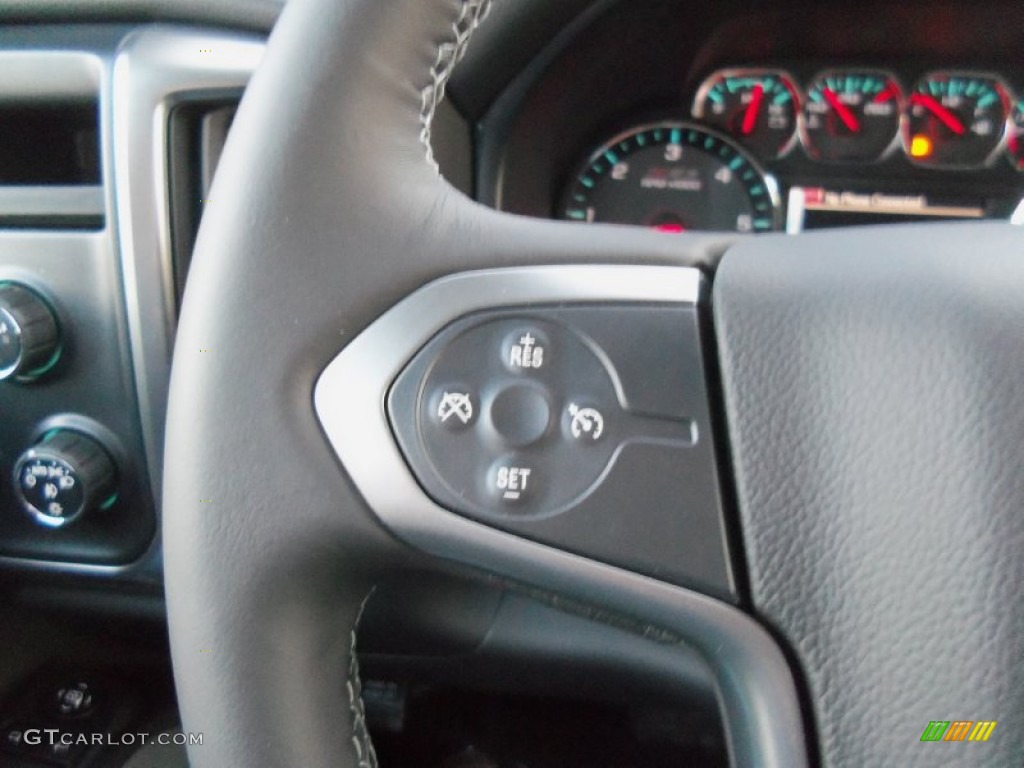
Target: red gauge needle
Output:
[
  {"x": 950, "y": 120},
  {"x": 884, "y": 96},
  {"x": 750, "y": 116},
  {"x": 849, "y": 119}
]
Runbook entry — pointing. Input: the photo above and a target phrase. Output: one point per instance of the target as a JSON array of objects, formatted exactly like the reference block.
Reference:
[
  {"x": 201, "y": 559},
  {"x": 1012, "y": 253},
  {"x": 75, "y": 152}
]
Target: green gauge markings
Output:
[
  {"x": 672, "y": 178},
  {"x": 955, "y": 120},
  {"x": 851, "y": 116},
  {"x": 757, "y": 108}
]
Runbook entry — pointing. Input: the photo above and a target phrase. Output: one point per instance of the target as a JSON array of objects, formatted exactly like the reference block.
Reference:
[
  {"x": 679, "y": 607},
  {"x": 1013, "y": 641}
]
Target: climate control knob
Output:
[
  {"x": 29, "y": 333},
  {"x": 64, "y": 476}
]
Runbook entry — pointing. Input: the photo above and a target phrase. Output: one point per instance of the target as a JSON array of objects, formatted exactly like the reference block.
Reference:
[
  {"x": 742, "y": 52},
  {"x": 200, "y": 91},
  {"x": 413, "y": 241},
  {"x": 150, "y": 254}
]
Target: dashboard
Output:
[
  {"x": 754, "y": 119},
  {"x": 739, "y": 115},
  {"x": 744, "y": 117},
  {"x": 112, "y": 134}
]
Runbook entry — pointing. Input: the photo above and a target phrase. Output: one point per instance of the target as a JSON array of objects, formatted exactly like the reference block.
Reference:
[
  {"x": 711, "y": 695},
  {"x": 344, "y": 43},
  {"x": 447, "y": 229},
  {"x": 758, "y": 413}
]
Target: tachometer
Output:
[
  {"x": 851, "y": 116},
  {"x": 756, "y": 107},
  {"x": 673, "y": 177},
  {"x": 955, "y": 120}
]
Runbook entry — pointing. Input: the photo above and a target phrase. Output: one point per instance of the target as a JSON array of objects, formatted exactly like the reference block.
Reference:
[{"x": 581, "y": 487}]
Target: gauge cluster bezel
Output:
[
  {"x": 697, "y": 111},
  {"x": 1008, "y": 99},
  {"x": 770, "y": 183},
  {"x": 535, "y": 136},
  {"x": 895, "y": 142},
  {"x": 881, "y": 173},
  {"x": 900, "y": 143}
]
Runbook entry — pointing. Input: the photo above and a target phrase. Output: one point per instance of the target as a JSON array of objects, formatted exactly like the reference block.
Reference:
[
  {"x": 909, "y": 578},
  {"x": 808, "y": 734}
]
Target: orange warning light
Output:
[{"x": 921, "y": 146}]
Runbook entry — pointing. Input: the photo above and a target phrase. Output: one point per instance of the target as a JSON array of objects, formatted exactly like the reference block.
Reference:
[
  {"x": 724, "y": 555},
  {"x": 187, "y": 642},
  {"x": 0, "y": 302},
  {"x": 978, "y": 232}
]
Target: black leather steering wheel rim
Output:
[
  {"x": 328, "y": 211},
  {"x": 266, "y": 576}
]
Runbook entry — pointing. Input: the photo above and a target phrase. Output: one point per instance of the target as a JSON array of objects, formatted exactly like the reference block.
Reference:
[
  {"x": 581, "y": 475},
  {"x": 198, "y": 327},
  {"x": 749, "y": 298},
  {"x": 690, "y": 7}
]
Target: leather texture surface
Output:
[
  {"x": 327, "y": 212},
  {"x": 875, "y": 394}
]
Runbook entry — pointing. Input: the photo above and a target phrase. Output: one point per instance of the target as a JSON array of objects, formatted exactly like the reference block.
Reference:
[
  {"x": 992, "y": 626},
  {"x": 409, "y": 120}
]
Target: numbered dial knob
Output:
[
  {"x": 29, "y": 334},
  {"x": 64, "y": 476}
]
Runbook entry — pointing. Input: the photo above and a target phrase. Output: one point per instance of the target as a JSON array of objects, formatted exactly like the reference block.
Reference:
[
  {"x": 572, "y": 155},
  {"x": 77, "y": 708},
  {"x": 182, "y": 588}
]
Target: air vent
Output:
[{"x": 196, "y": 138}]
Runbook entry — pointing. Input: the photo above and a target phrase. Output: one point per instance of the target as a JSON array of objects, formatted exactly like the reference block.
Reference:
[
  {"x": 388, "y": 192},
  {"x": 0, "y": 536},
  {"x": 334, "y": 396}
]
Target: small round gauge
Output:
[
  {"x": 673, "y": 177},
  {"x": 955, "y": 120},
  {"x": 851, "y": 116},
  {"x": 756, "y": 107},
  {"x": 1015, "y": 143}
]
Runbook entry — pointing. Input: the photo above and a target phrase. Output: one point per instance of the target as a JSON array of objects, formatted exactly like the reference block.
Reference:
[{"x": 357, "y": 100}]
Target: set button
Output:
[{"x": 512, "y": 481}]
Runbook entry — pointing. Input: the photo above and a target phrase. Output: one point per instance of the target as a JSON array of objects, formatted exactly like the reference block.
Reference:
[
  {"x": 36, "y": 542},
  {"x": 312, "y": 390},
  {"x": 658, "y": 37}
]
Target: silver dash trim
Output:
[{"x": 755, "y": 687}]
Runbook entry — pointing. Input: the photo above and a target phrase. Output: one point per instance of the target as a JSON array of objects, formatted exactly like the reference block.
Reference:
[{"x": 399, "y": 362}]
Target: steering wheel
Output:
[{"x": 870, "y": 381}]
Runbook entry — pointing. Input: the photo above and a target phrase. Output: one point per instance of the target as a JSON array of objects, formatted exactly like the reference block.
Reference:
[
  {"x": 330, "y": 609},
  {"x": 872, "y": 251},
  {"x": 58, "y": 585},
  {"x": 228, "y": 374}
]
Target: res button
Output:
[{"x": 526, "y": 349}]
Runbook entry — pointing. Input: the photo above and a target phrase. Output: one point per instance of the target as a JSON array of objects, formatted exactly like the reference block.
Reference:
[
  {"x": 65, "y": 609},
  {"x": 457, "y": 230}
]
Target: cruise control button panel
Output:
[
  {"x": 484, "y": 415},
  {"x": 585, "y": 427}
]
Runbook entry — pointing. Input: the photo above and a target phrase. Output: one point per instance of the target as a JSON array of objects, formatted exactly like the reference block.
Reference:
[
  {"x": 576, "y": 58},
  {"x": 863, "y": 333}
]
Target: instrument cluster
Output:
[
  {"x": 947, "y": 119},
  {"x": 761, "y": 149}
]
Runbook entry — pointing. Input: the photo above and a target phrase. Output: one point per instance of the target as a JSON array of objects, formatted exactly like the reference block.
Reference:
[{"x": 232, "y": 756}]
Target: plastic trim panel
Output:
[
  {"x": 755, "y": 687},
  {"x": 157, "y": 67},
  {"x": 68, "y": 62},
  {"x": 141, "y": 74}
]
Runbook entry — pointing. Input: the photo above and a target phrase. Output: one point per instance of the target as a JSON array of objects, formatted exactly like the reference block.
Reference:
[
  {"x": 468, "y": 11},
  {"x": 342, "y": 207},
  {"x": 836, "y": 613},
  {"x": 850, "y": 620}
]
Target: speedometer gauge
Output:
[
  {"x": 955, "y": 119},
  {"x": 673, "y": 177},
  {"x": 756, "y": 107}
]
